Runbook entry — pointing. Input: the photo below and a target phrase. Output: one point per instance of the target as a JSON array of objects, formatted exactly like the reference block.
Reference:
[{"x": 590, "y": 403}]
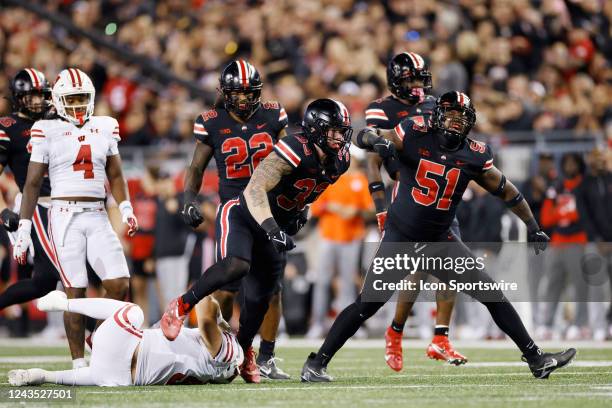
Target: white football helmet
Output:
[{"x": 73, "y": 81}]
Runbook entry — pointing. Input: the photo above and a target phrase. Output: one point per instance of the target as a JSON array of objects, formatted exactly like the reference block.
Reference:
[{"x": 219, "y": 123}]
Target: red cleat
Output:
[
  {"x": 248, "y": 369},
  {"x": 442, "y": 349},
  {"x": 393, "y": 349},
  {"x": 172, "y": 321}
]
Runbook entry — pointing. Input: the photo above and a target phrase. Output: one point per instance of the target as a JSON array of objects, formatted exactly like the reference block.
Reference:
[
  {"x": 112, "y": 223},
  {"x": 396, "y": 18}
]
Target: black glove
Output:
[
  {"x": 281, "y": 241},
  {"x": 540, "y": 240},
  {"x": 10, "y": 220},
  {"x": 384, "y": 148},
  {"x": 369, "y": 139},
  {"x": 299, "y": 222},
  {"x": 192, "y": 215}
]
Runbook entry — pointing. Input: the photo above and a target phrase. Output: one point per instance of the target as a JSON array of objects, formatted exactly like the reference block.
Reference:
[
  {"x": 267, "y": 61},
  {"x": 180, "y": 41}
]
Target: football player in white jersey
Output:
[
  {"x": 78, "y": 150},
  {"x": 122, "y": 354}
]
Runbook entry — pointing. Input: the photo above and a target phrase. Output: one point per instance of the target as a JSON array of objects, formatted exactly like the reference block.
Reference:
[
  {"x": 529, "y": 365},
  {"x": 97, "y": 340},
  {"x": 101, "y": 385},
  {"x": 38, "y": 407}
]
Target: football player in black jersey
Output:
[
  {"x": 261, "y": 220},
  {"x": 239, "y": 132},
  {"x": 409, "y": 81},
  {"x": 437, "y": 161},
  {"x": 31, "y": 100}
]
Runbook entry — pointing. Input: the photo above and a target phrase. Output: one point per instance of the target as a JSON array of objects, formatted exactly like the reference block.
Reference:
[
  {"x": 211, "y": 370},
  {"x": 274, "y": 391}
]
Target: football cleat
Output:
[
  {"x": 312, "y": 372},
  {"x": 248, "y": 370},
  {"x": 172, "y": 322},
  {"x": 53, "y": 301},
  {"x": 543, "y": 364},
  {"x": 269, "y": 370},
  {"x": 32, "y": 376},
  {"x": 393, "y": 349},
  {"x": 441, "y": 348}
]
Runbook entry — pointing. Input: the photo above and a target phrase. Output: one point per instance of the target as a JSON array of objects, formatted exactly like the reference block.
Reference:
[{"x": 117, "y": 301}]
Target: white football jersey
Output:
[
  {"x": 185, "y": 360},
  {"x": 76, "y": 155}
]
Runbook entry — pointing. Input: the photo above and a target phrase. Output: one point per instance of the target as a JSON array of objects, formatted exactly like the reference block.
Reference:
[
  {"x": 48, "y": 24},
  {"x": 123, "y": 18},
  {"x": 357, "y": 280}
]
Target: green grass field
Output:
[{"x": 493, "y": 377}]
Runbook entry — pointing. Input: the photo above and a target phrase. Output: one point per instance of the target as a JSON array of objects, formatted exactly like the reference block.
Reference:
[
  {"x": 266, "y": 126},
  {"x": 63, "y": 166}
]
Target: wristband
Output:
[
  {"x": 25, "y": 225},
  {"x": 532, "y": 226},
  {"x": 125, "y": 207},
  {"x": 376, "y": 186},
  {"x": 513, "y": 202},
  {"x": 270, "y": 226}
]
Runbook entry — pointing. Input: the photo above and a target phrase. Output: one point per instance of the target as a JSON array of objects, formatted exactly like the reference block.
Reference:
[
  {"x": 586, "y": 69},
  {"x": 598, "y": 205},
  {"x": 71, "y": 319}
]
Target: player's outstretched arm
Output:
[
  {"x": 383, "y": 142},
  {"x": 191, "y": 213},
  {"x": 207, "y": 311},
  {"x": 119, "y": 190},
  {"x": 495, "y": 182}
]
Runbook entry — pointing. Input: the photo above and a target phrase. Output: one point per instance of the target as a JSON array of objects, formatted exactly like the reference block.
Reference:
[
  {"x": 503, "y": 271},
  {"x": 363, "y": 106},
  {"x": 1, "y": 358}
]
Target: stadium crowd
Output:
[{"x": 528, "y": 66}]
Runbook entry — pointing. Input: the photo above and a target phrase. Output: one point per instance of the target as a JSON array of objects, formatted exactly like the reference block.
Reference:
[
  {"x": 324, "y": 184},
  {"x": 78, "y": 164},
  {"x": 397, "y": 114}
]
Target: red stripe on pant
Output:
[
  {"x": 225, "y": 224},
  {"x": 42, "y": 237},
  {"x": 130, "y": 329}
]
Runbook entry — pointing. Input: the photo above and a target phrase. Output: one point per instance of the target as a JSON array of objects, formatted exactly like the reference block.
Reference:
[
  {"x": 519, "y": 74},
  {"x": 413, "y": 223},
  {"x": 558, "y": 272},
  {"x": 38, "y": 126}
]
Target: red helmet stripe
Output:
[
  {"x": 78, "y": 76},
  {"x": 34, "y": 77},
  {"x": 72, "y": 77},
  {"x": 243, "y": 73}
]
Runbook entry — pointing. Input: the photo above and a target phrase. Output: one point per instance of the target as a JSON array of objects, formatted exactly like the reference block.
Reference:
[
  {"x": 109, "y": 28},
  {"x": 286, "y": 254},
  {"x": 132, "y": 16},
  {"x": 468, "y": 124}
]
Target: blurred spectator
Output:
[
  {"x": 562, "y": 260},
  {"x": 342, "y": 210}
]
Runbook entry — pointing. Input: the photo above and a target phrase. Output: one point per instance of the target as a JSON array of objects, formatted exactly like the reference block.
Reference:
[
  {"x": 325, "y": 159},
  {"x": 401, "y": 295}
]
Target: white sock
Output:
[
  {"x": 97, "y": 308},
  {"x": 78, "y": 376},
  {"x": 78, "y": 363}
]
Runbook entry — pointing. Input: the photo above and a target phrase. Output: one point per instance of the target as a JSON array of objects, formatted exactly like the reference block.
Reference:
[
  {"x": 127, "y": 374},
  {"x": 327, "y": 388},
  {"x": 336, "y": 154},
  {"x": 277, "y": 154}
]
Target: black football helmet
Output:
[
  {"x": 402, "y": 70},
  {"x": 322, "y": 115},
  {"x": 27, "y": 82},
  {"x": 453, "y": 128},
  {"x": 240, "y": 77}
]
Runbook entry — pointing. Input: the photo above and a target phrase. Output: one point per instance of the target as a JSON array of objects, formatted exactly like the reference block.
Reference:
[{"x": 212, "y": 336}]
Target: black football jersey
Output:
[
  {"x": 309, "y": 178},
  {"x": 432, "y": 180},
  {"x": 15, "y": 150},
  {"x": 239, "y": 147},
  {"x": 388, "y": 112}
]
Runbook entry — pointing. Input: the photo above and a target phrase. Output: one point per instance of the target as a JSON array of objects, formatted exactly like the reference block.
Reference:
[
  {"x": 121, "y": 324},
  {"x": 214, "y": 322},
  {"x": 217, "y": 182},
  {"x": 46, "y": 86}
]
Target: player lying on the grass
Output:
[
  {"x": 437, "y": 161},
  {"x": 123, "y": 355}
]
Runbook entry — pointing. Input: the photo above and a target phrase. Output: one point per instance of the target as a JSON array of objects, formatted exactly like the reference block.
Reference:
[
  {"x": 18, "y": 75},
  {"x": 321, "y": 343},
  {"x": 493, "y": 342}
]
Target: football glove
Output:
[
  {"x": 540, "y": 240},
  {"x": 192, "y": 215},
  {"x": 10, "y": 220},
  {"x": 128, "y": 217},
  {"x": 23, "y": 242}
]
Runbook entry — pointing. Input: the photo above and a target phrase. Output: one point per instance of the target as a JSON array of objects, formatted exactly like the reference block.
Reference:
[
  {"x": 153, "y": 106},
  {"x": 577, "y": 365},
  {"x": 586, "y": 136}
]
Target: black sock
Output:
[
  {"x": 345, "y": 326},
  {"x": 532, "y": 350},
  {"x": 441, "y": 330},
  {"x": 25, "y": 290},
  {"x": 509, "y": 322},
  {"x": 223, "y": 272},
  {"x": 397, "y": 327},
  {"x": 266, "y": 350}
]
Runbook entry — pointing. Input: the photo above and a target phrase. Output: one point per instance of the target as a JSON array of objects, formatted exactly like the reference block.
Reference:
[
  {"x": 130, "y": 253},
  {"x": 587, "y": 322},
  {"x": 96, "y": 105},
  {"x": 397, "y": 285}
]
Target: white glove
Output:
[
  {"x": 128, "y": 217},
  {"x": 23, "y": 242}
]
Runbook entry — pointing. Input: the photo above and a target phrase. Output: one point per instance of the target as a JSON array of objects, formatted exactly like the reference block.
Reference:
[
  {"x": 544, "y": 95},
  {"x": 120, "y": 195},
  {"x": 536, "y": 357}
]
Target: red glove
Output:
[{"x": 381, "y": 217}]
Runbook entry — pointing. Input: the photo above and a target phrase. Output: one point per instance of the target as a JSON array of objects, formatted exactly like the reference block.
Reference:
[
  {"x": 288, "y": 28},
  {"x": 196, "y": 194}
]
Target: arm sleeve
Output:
[
  {"x": 113, "y": 149},
  {"x": 376, "y": 117},
  {"x": 290, "y": 149},
  {"x": 40, "y": 148},
  {"x": 200, "y": 132}
]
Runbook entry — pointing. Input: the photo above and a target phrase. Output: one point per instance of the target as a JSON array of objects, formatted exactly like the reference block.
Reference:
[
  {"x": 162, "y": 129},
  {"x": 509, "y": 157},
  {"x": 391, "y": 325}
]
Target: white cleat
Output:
[
  {"x": 55, "y": 301},
  {"x": 32, "y": 376}
]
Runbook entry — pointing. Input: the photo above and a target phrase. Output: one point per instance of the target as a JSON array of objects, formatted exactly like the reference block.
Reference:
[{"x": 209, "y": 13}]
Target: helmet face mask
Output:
[
  {"x": 73, "y": 96},
  {"x": 453, "y": 118},
  {"x": 408, "y": 77},
  {"x": 240, "y": 85},
  {"x": 31, "y": 93},
  {"x": 327, "y": 124}
]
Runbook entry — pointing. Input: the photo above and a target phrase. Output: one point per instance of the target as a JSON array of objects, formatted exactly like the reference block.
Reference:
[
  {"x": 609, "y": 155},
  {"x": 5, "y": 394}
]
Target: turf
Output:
[{"x": 363, "y": 379}]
